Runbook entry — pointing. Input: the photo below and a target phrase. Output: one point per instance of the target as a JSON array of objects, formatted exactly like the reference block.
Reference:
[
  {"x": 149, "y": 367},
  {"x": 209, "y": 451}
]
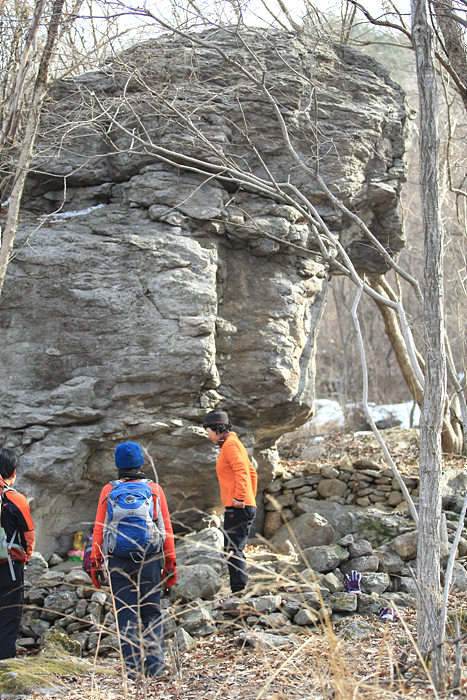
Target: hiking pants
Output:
[
  {"x": 11, "y": 607},
  {"x": 237, "y": 526},
  {"x": 136, "y": 588}
]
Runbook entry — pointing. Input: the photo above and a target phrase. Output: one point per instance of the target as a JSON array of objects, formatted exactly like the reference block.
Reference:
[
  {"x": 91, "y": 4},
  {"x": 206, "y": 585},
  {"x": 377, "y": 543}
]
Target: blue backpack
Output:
[{"x": 133, "y": 526}]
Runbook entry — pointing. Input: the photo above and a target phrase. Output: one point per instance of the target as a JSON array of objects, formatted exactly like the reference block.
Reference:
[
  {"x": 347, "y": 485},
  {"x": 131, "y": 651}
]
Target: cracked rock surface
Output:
[{"x": 154, "y": 296}]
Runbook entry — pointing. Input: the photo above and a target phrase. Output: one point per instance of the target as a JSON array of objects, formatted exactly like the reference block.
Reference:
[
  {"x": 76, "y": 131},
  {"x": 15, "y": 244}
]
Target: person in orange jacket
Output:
[
  {"x": 137, "y": 571},
  {"x": 238, "y": 482},
  {"x": 16, "y": 521}
]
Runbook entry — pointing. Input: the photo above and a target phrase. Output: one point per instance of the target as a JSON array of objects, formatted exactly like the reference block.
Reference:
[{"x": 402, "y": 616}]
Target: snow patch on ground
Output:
[{"x": 330, "y": 412}]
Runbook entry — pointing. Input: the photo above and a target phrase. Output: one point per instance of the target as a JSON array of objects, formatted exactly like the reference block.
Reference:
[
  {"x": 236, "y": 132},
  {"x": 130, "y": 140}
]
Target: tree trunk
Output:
[
  {"x": 451, "y": 435},
  {"x": 428, "y": 567},
  {"x": 454, "y": 43},
  {"x": 27, "y": 146}
]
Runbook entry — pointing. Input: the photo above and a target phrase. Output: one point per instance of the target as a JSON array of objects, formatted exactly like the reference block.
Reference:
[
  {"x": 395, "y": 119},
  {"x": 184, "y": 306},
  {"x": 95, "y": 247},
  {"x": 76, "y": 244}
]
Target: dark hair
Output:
[
  {"x": 8, "y": 462},
  {"x": 219, "y": 428}
]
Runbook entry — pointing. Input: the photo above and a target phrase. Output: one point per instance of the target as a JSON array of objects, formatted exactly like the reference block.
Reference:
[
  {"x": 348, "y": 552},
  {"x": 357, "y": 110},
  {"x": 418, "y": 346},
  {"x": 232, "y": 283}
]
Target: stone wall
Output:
[{"x": 362, "y": 482}]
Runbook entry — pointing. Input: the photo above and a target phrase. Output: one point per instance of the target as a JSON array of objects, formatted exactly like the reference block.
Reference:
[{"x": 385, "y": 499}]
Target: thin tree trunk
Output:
[
  {"x": 451, "y": 436},
  {"x": 28, "y": 140},
  {"x": 428, "y": 567},
  {"x": 394, "y": 333},
  {"x": 454, "y": 43}
]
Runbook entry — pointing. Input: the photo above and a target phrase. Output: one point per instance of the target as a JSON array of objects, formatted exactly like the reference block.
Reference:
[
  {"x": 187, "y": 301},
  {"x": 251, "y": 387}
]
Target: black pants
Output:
[
  {"x": 237, "y": 526},
  {"x": 11, "y": 608}
]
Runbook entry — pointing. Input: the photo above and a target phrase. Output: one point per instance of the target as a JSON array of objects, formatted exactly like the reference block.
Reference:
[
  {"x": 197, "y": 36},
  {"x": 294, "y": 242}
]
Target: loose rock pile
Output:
[{"x": 287, "y": 594}]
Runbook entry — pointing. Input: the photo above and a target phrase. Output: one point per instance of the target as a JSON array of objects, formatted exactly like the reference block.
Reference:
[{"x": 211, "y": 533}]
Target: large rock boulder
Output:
[
  {"x": 308, "y": 530},
  {"x": 155, "y": 294},
  {"x": 203, "y": 547},
  {"x": 323, "y": 558},
  {"x": 197, "y": 581}
]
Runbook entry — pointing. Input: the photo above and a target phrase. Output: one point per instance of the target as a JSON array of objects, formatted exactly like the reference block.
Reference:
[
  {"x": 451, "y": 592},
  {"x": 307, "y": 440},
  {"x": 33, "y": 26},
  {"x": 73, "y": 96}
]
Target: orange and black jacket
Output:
[
  {"x": 237, "y": 476},
  {"x": 16, "y": 517}
]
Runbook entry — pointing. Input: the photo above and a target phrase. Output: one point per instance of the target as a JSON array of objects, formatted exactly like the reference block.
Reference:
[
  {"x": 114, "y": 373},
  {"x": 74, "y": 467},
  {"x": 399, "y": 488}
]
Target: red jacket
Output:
[
  {"x": 98, "y": 533},
  {"x": 237, "y": 476}
]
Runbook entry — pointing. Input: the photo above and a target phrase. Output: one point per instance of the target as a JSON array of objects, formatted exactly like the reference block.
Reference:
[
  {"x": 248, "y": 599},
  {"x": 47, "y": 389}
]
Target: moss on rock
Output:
[{"x": 26, "y": 675}]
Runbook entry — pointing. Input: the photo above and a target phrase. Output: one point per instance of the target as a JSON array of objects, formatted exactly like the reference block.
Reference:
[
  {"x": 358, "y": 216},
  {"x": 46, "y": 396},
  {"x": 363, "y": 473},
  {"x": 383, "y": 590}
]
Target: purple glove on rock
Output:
[{"x": 353, "y": 582}]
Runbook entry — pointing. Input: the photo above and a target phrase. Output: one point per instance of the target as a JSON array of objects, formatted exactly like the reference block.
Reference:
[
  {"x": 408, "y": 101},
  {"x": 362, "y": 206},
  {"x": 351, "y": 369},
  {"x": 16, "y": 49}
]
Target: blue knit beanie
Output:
[{"x": 128, "y": 455}]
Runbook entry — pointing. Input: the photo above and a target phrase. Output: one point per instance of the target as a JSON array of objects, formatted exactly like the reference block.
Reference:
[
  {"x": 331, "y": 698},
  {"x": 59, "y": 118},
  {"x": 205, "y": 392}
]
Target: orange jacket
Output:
[
  {"x": 98, "y": 533},
  {"x": 237, "y": 476}
]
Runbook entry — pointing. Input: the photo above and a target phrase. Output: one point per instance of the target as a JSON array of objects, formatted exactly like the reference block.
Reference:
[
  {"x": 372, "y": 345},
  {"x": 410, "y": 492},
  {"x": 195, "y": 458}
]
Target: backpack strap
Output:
[
  {"x": 10, "y": 563},
  {"x": 112, "y": 484},
  {"x": 3, "y": 488}
]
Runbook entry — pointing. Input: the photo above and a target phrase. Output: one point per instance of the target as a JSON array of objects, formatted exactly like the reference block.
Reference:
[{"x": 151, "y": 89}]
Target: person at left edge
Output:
[
  {"x": 136, "y": 580},
  {"x": 17, "y": 522}
]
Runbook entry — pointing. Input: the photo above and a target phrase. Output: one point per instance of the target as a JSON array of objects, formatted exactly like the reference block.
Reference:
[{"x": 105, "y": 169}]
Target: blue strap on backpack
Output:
[{"x": 132, "y": 528}]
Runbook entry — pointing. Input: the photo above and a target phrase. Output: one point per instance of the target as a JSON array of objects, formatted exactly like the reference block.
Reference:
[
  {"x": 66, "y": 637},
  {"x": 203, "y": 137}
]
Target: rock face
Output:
[{"x": 155, "y": 296}]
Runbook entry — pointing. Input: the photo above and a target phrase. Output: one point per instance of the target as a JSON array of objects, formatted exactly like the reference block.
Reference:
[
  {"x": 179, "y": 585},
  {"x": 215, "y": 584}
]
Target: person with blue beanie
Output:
[{"x": 133, "y": 541}]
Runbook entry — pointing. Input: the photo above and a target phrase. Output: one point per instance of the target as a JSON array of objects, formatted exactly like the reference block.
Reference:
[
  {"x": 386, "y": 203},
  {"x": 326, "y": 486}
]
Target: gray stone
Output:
[
  {"x": 204, "y": 547},
  {"x": 35, "y": 568},
  {"x": 78, "y": 577},
  {"x": 331, "y": 582},
  {"x": 81, "y": 608},
  {"x": 401, "y": 599},
  {"x": 197, "y": 581},
  {"x": 39, "y": 626},
  {"x": 405, "y": 545},
  {"x": 263, "y": 605},
  {"x": 267, "y": 641},
  {"x": 36, "y": 596},
  {"x": 358, "y": 629},
  {"x": 369, "y": 604},
  {"x": 343, "y": 602},
  {"x": 453, "y": 486},
  {"x": 313, "y": 452},
  {"x": 361, "y": 548},
  {"x": 309, "y": 529},
  {"x": 275, "y": 486},
  {"x": 291, "y": 608},
  {"x": 331, "y": 487},
  {"x": 374, "y": 582},
  {"x": 272, "y": 522},
  {"x": 55, "y": 640},
  {"x": 328, "y": 472},
  {"x": 55, "y": 559},
  {"x": 169, "y": 623},
  {"x": 459, "y": 578},
  {"x": 408, "y": 585},
  {"x": 274, "y": 620},
  {"x": 276, "y": 502},
  {"x": 324, "y": 559},
  {"x": 56, "y": 604},
  {"x": 306, "y": 616},
  {"x": 346, "y": 541},
  {"x": 297, "y": 483},
  {"x": 81, "y": 638},
  {"x": 389, "y": 561},
  {"x": 99, "y": 597},
  {"x": 197, "y": 619},
  {"x": 361, "y": 564},
  {"x": 185, "y": 641},
  {"x": 51, "y": 579},
  {"x": 394, "y": 498}
]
